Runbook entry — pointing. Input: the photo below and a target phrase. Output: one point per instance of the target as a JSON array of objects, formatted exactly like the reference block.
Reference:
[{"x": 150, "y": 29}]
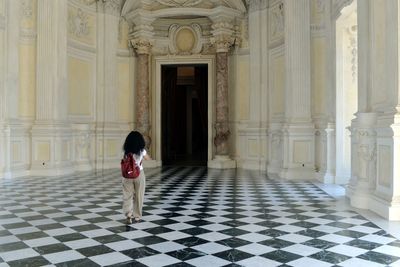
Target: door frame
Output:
[{"x": 160, "y": 61}]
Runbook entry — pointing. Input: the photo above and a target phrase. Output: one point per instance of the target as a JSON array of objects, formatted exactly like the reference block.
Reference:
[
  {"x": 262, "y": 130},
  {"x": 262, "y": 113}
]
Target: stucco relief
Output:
[
  {"x": 82, "y": 145},
  {"x": 276, "y": 22},
  {"x": 179, "y": 3},
  {"x": 352, "y": 31},
  {"x": 185, "y": 40},
  {"x": 276, "y": 141},
  {"x": 113, "y": 7},
  {"x": 78, "y": 23},
  {"x": 27, "y": 9}
]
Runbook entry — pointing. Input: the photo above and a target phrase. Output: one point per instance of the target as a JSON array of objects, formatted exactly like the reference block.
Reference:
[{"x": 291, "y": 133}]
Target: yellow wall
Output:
[
  {"x": 123, "y": 35},
  {"x": 125, "y": 91},
  {"x": 42, "y": 151},
  {"x": 278, "y": 86},
  {"x": 79, "y": 86},
  {"x": 27, "y": 79},
  {"x": 112, "y": 148},
  {"x": 319, "y": 74},
  {"x": 242, "y": 87}
]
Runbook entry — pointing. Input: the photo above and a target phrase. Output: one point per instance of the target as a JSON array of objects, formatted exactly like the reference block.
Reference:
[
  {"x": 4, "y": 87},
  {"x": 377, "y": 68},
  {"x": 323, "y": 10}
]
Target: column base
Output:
[
  {"x": 327, "y": 178},
  {"x": 221, "y": 162},
  {"x": 386, "y": 209},
  {"x": 298, "y": 174},
  {"x": 359, "y": 198}
]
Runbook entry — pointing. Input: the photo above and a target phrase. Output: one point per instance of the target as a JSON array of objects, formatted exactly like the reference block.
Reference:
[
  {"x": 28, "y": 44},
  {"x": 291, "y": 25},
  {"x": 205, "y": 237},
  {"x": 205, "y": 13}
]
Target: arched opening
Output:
[{"x": 346, "y": 88}]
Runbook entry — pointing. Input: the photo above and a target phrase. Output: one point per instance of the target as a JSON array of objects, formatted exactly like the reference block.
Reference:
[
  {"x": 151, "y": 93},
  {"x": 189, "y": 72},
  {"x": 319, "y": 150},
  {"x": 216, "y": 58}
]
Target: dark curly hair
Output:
[{"x": 134, "y": 143}]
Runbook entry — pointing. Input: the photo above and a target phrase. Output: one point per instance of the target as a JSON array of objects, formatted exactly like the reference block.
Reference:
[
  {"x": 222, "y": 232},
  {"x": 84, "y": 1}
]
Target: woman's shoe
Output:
[
  {"x": 128, "y": 220},
  {"x": 137, "y": 219}
]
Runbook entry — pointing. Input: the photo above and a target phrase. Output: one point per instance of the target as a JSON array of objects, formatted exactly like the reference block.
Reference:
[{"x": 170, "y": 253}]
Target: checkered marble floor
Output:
[{"x": 193, "y": 216}]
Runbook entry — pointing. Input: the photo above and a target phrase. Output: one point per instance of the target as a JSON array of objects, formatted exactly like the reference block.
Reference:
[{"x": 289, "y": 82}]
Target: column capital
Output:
[
  {"x": 141, "y": 45},
  {"x": 223, "y": 35},
  {"x": 112, "y": 7}
]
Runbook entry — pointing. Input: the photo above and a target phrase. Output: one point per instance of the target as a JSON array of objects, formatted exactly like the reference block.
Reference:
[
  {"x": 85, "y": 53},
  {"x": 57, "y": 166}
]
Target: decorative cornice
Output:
[{"x": 81, "y": 46}]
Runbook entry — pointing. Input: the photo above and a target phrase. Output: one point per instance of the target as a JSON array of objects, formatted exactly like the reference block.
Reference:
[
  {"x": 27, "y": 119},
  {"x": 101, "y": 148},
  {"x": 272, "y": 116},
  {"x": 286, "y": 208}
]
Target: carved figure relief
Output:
[
  {"x": 277, "y": 22},
  {"x": 78, "y": 23}
]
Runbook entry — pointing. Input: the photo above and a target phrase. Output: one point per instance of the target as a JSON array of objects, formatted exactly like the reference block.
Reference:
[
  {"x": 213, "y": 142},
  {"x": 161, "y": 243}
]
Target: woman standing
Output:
[{"x": 133, "y": 189}]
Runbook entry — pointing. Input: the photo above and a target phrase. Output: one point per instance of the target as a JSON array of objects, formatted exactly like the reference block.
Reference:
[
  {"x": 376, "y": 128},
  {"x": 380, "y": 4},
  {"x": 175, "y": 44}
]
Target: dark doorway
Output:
[{"x": 184, "y": 114}]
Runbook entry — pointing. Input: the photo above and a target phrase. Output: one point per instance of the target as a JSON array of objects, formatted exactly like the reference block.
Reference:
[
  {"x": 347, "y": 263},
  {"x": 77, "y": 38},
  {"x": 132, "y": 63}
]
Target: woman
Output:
[{"x": 133, "y": 189}]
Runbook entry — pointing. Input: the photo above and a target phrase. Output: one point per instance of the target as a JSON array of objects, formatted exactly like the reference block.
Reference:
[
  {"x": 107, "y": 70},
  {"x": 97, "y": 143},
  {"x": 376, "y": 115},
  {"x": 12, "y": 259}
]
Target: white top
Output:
[{"x": 139, "y": 158}]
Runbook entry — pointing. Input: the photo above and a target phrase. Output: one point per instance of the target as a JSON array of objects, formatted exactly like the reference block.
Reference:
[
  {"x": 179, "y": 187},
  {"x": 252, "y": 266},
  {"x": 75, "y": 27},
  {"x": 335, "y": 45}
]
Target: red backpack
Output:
[{"x": 129, "y": 168}]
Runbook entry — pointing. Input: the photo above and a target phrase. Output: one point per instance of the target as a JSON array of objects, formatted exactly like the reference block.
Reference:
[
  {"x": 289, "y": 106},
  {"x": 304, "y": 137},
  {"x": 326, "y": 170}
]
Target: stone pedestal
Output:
[{"x": 364, "y": 153}]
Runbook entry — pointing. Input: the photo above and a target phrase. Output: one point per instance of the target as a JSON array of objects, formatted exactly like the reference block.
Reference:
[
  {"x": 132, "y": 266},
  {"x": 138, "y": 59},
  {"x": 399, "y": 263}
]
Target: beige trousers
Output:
[{"x": 133, "y": 195}]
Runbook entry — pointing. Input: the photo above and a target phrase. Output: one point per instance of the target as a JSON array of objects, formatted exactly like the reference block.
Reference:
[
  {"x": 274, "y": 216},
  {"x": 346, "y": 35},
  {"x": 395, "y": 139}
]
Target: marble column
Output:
[
  {"x": 223, "y": 39},
  {"x": 222, "y": 106},
  {"x": 142, "y": 99}
]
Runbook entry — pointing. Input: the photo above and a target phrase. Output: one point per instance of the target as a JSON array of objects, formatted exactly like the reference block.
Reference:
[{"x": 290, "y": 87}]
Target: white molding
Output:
[
  {"x": 159, "y": 61},
  {"x": 74, "y": 44},
  {"x": 124, "y": 53},
  {"x": 87, "y": 8}
]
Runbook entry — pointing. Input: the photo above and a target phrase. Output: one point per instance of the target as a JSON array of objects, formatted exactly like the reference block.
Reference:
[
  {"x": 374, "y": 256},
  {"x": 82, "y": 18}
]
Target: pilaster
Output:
[
  {"x": 51, "y": 134},
  {"x": 298, "y": 130}
]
